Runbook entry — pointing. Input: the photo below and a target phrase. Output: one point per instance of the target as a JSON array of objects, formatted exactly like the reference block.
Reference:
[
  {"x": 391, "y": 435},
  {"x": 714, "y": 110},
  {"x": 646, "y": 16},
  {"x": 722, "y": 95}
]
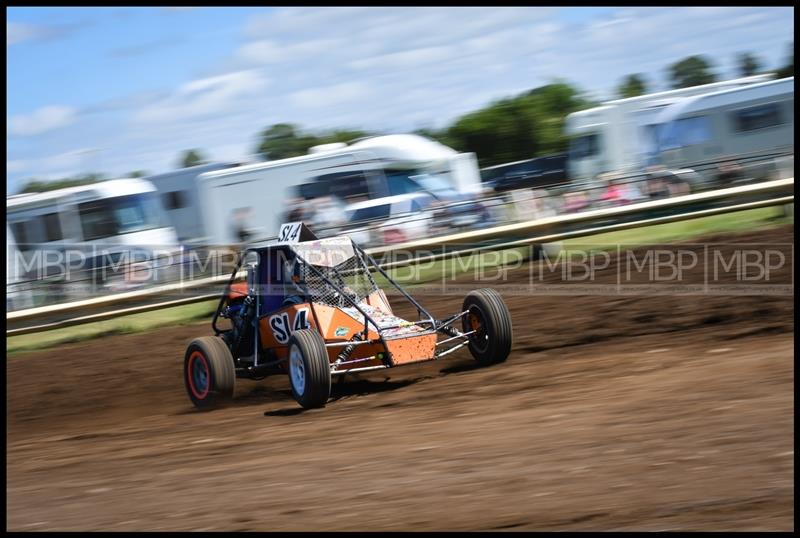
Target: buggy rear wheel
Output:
[
  {"x": 488, "y": 316},
  {"x": 208, "y": 372},
  {"x": 309, "y": 369}
]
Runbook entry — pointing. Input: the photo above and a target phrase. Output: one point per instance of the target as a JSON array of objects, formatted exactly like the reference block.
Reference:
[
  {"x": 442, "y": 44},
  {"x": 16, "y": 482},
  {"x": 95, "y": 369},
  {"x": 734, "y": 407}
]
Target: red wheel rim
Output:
[{"x": 198, "y": 375}]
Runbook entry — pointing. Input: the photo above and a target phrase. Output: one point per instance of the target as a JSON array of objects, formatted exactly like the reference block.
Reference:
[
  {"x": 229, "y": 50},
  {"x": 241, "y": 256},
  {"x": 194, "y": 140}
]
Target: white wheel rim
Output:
[{"x": 297, "y": 370}]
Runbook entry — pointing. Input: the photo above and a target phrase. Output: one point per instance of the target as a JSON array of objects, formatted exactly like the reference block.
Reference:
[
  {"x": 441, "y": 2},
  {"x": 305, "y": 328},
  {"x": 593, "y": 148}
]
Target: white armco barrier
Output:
[{"x": 549, "y": 229}]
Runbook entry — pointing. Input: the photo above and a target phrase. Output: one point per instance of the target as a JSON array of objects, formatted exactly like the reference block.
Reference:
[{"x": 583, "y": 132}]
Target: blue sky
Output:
[{"x": 114, "y": 90}]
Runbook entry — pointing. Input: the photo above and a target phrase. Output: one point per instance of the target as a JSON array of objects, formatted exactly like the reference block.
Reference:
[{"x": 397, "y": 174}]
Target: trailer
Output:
[
  {"x": 179, "y": 197},
  {"x": 709, "y": 132},
  {"x": 619, "y": 136}
]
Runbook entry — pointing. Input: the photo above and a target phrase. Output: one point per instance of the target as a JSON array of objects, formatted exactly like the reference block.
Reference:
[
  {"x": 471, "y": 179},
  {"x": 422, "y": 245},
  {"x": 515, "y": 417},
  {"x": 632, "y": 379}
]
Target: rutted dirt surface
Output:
[{"x": 644, "y": 411}]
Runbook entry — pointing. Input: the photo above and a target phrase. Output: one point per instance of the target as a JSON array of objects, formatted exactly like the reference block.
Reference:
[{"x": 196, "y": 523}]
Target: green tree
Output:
[
  {"x": 347, "y": 136},
  {"x": 284, "y": 140},
  {"x": 788, "y": 69},
  {"x": 428, "y": 132},
  {"x": 691, "y": 71},
  {"x": 138, "y": 173},
  {"x": 748, "y": 64},
  {"x": 37, "y": 185},
  {"x": 632, "y": 86},
  {"x": 192, "y": 157},
  {"x": 517, "y": 128}
]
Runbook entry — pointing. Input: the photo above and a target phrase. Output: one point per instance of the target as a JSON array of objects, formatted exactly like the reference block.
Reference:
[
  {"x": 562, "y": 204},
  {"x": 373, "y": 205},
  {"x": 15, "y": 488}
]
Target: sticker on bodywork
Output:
[{"x": 342, "y": 331}]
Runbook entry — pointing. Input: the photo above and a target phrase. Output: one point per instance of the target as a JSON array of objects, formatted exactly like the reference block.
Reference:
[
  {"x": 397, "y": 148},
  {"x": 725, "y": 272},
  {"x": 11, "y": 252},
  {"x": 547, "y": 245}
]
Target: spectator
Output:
[
  {"x": 523, "y": 200},
  {"x": 327, "y": 214},
  {"x": 575, "y": 201},
  {"x": 729, "y": 172},
  {"x": 656, "y": 183},
  {"x": 542, "y": 206},
  {"x": 300, "y": 210},
  {"x": 294, "y": 212},
  {"x": 676, "y": 185},
  {"x": 613, "y": 195},
  {"x": 241, "y": 224},
  {"x": 631, "y": 191}
]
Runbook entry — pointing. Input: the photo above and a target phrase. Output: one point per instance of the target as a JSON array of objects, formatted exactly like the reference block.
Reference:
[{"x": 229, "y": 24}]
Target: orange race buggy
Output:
[{"x": 311, "y": 309}]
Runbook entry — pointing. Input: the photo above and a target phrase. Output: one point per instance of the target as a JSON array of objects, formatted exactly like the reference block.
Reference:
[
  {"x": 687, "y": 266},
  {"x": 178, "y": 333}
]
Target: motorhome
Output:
[
  {"x": 619, "y": 136},
  {"x": 752, "y": 124},
  {"x": 97, "y": 224},
  {"x": 179, "y": 195},
  {"x": 251, "y": 201}
]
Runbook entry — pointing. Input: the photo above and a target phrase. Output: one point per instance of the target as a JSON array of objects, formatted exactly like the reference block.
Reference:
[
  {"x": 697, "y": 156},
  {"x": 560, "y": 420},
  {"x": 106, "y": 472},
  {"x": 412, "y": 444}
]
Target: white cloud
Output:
[
  {"x": 330, "y": 95},
  {"x": 18, "y": 32},
  {"x": 42, "y": 120},
  {"x": 57, "y": 166},
  {"x": 267, "y": 52},
  {"x": 71, "y": 159},
  {"x": 407, "y": 58},
  {"x": 205, "y": 97}
]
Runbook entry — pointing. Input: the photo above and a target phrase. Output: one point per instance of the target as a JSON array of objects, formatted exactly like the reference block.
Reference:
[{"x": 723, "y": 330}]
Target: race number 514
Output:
[{"x": 281, "y": 327}]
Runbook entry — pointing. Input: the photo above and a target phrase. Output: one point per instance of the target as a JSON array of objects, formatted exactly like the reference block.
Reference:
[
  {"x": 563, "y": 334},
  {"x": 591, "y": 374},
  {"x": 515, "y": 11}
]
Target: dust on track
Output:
[{"x": 612, "y": 412}]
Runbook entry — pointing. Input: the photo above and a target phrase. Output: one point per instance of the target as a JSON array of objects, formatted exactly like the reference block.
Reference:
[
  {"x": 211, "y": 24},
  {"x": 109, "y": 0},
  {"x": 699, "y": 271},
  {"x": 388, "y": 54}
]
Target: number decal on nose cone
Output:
[{"x": 281, "y": 328}]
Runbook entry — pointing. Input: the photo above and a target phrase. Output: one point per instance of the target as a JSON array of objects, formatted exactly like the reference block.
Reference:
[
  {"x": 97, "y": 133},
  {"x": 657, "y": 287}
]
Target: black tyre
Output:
[
  {"x": 488, "y": 316},
  {"x": 309, "y": 369},
  {"x": 208, "y": 372}
]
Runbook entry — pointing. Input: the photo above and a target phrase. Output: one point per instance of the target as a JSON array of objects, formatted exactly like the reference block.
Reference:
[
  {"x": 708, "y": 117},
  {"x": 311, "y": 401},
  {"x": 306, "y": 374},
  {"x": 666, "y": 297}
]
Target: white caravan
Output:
[
  {"x": 257, "y": 197},
  {"x": 179, "y": 195},
  {"x": 97, "y": 220},
  {"x": 619, "y": 135},
  {"x": 752, "y": 124}
]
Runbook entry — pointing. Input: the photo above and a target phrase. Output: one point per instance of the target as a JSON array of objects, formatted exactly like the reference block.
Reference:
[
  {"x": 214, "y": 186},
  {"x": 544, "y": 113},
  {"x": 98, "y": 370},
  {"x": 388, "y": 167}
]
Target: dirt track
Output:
[{"x": 613, "y": 412}]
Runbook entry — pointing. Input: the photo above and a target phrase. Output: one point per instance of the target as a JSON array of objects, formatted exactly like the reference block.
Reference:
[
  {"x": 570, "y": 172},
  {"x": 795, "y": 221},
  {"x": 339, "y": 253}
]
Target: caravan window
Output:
[
  {"x": 370, "y": 213},
  {"x": 114, "y": 216},
  {"x": 694, "y": 130},
  {"x": 20, "y": 235},
  {"x": 174, "y": 200},
  {"x": 686, "y": 132},
  {"x": 341, "y": 184},
  {"x": 310, "y": 191},
  {"x": 757, "y": 117},
  {"x": 414, "y": 181},
  {"x": 52, "y": 227},
  {"x": 584, "y": 146},
  {"x": 400, "y": 183}
]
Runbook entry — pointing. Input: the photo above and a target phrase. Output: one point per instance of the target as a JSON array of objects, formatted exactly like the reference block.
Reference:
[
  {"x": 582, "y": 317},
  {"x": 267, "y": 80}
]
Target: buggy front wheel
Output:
[
  {"x": 309, "y": 369},
  {"x": 208, "y": 372},
  {"x": 487, "y": 315}
]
